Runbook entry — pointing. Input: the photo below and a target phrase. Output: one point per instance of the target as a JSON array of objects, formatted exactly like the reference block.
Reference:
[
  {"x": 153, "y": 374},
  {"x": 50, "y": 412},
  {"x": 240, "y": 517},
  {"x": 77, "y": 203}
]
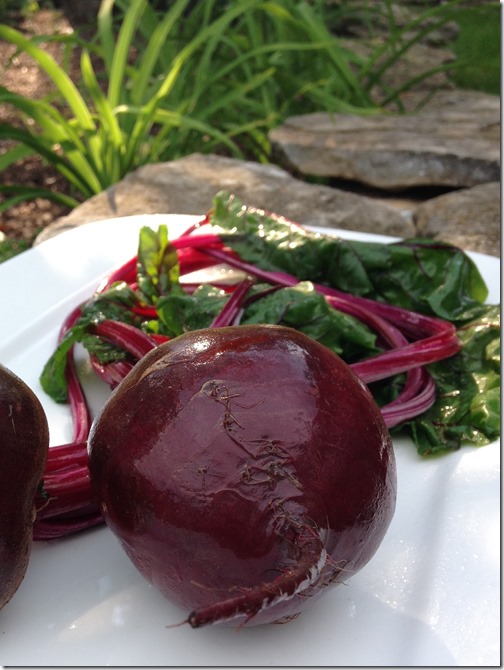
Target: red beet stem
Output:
[
  {"x": 70, "y": 455},
  {"x": 128, "y": 337},
  {"x": 231, "y": 310},
  {"x": 77, "y": 400},
  {"x": 111, "y": 373},
  {"x": 126, "y": 272},
  {"x": 64, "y": 491},
  {"x": 51, "y": 529},
  {"x": 415, "y": 399}
]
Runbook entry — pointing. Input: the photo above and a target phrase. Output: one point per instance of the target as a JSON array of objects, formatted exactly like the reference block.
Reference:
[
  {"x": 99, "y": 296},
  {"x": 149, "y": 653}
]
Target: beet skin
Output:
[
  {"x": 24, "y": 444},
  {"x": 244, "y": 469}
]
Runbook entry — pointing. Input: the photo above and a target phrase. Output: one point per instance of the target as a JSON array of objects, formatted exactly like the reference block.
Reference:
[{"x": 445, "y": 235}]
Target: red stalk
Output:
[
  {"x": 233, "y": 306},
  {"x": 128, "y": 337}
]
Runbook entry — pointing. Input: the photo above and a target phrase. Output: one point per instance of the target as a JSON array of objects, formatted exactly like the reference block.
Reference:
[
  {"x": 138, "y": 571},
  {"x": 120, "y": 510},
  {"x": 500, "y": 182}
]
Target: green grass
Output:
[
  {"x": 10, "y": 248},
  {"x": 477, "y": 47}
]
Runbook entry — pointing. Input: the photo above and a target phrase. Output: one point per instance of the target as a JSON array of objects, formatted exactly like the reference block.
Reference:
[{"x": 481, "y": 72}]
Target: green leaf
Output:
[
  {"x": 467, "y": 407},
  {"x": 116, "y": 304},
  {"x": 14, "y": 155},
  {"x": 158, "y": 268},
  {"x": 179, "y": 313},
  {"x": 106, "y": 32},
  {"x": 157, "y": 38},
  {"x": 172, "y": 120},
  {"x": 425, "y": 276},
  {"x": 56, "y": 129},
  {"x": 53, "y": 376},
  {"x": 421, "y": 275},
  {"x": 122, "y": 51},
  {"x": 44, "y": 148},
  {"x": 318, "y": 32},
  {"x": 16, "y": 194},
  {"x": 107, "y": 156},
  {"x": 302, "y": 308}
]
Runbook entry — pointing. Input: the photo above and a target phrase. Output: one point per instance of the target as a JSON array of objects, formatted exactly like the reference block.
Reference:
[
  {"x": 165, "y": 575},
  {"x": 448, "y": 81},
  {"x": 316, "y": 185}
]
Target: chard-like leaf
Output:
[
  {"x": 179, "y": 313},
  {"x": 421, "y": 275},
  {"x": 301, "y": 307},
  {"x": 158, "y": 268},
  {"x": 114, "y": 304},
  {"x": 467, "y": 408},
  {"x": 53, "y": 376},
  {"x": 424, "y": 276}
]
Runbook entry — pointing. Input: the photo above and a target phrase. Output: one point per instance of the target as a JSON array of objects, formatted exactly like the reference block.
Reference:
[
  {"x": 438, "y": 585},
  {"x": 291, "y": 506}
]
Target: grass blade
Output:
[
  {"x": 55, "y": 131},
  {"x": 336, "y": 54},
  {"x": 14, "y": 155},
  {"x": 61, "y": 163},
  {"x": 151, "y": 55},
  {"x": 24, "y": 193},
  {"x": 106, "y": 32},
  {"x": 54, "y": 126},
  {"x": 59, "y": 77},
  {"x": 110, "y": 126},
  {"x": 183, "y": 123},
  {"x": 122, "y": 50}
]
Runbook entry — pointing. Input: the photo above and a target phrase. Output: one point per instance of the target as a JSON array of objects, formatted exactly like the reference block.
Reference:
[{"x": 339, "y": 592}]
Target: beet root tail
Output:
[{"x": 292, "y": 582}]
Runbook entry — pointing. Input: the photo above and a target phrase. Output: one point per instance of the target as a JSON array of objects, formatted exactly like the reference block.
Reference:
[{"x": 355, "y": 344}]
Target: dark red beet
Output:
[
  {"x": 24, "y": 444},
  {"x": 244, "y": 469}
]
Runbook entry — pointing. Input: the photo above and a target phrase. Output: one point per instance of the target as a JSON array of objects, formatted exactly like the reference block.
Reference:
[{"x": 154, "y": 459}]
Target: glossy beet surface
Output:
[
  {"x": 24, "y": 442},
  {"x": 244, "y": 469}
]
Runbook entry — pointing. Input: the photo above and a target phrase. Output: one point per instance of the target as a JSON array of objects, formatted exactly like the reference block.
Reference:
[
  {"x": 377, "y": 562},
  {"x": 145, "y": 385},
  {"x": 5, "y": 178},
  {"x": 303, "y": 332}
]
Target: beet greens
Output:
[{"x": 409, "y": 317}]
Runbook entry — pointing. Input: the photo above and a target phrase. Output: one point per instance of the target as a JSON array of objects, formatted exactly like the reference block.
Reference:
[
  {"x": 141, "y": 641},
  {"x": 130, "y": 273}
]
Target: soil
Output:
[{"x": 23, "y": 221}]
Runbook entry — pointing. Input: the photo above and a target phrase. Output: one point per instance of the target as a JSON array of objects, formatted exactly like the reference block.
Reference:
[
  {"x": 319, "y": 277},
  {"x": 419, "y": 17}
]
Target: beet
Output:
[
  {"x": 24, "y": 444},
  {"x": 244, "y": 469}
]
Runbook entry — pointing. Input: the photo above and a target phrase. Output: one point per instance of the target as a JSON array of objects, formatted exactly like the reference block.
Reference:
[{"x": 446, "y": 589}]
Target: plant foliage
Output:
[{"x": 206, "y": 76}]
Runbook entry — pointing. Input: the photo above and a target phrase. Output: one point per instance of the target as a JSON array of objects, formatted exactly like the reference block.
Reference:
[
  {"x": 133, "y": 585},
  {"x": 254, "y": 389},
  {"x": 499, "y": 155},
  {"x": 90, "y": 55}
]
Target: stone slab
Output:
[
  {"x": 453, "y": 141},
  {"x": 188, "y": 186},
  {"x": 469, "y": 218}
]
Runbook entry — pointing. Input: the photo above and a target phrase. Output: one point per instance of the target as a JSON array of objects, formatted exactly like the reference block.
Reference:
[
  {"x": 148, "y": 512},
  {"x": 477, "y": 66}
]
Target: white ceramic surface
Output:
[{"x": 430, "y": 596}]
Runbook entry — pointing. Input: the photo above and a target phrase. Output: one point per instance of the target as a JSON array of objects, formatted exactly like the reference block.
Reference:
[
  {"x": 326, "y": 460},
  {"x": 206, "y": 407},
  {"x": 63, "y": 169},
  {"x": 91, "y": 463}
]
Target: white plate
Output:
[{"x": 430, "y": 596}]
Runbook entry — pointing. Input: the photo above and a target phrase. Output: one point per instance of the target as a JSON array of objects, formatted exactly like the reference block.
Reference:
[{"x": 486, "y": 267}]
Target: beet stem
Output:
[
  {"x": 128, "y": 337},
  {"x": 111, "y": 373},
  {"x": 51, "y": 529},
  {"x": 231, "y": 310},
  {"x": 65, "y": 456},
  {"x": 414, "y": 400}
]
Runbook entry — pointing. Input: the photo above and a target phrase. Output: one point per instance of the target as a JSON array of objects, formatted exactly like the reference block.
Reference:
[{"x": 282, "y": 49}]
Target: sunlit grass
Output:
[{"x": 477, "y": 47}]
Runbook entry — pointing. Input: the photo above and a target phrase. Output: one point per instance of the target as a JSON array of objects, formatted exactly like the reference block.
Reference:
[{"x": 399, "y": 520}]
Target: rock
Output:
[
  {"x": 469, "y": 218},
  {"x": 453, "y": 141},
  {"x": 188, "y": 185}
]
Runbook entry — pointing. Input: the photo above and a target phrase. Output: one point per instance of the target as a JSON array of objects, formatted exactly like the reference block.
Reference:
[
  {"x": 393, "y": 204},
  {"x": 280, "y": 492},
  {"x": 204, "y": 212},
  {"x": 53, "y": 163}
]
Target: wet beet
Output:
[
  {"x": 24, "y": 443},
  {"x": 244, "y": 469}
]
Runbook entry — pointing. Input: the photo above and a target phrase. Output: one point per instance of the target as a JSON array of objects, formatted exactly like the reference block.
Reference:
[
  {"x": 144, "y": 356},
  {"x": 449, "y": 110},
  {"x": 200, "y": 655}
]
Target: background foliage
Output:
[{"x": 162, "y": 79}]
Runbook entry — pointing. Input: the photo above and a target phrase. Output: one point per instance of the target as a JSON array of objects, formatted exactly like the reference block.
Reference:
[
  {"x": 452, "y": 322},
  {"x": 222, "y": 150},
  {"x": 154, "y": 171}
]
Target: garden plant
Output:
[{"x": 208, "y": 76}]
